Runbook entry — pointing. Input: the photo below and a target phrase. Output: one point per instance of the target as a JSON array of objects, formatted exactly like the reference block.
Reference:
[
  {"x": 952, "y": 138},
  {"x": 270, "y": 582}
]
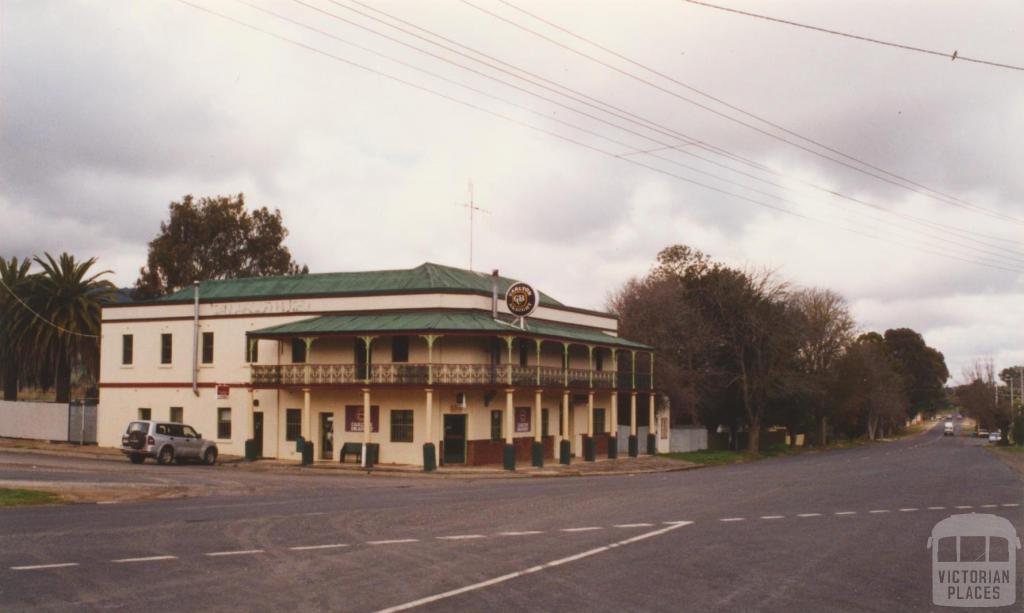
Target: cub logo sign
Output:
[
  {"x": 974, "y": 561},
  {"x": 521, "y": 299}
]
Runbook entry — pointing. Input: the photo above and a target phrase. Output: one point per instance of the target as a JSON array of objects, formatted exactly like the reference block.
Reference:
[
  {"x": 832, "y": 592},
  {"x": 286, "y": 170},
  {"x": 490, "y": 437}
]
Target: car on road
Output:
[
  {"x": 995, "y": 436},
  {"x": 166, "y": 442},
  {"x": 981, "y": 432},
  {"x": 947, "y": 429}
]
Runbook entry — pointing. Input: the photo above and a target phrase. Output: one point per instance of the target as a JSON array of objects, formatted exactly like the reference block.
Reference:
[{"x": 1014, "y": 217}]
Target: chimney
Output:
[{"x": 494, "y": 294}]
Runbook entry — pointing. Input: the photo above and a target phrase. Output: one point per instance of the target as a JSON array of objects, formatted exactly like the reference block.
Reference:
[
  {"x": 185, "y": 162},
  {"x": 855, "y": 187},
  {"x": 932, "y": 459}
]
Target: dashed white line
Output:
[
  {"x": 45, "y": 566},
  {"x": 107, "y": 501},
  {"x": 731, "y": 519},
  {"x": 583, "y": 529},
  {"x": 632, "y": 525},
  {"x": 532, "y": 569},
  {"x": 521, "y": 533},
  {"x": 392, "y": 542},
  {"x": 242, "y": 552},
  {"x": 808, "y": 514},
  {"x": 965, "y": 506},
  {"x": 845, "y": 513},
  {"x": 879, "y": 511},
  {"x": 908, "y": 509},
  {"x": 146, "y": 559},
  {"x": 989, "y": 506},
  {"x": 772, "y": 516},
  {"x": 1011, "y": 504},
  {"x": 460, "y": 537},
  {"x": 936, "y": 508},
  {"x": 314, "y": 547}
]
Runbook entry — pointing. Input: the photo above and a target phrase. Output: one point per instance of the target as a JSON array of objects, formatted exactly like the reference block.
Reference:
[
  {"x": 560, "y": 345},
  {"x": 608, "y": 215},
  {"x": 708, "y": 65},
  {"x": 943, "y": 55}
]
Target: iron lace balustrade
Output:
[{"x": 418, "y": 374}]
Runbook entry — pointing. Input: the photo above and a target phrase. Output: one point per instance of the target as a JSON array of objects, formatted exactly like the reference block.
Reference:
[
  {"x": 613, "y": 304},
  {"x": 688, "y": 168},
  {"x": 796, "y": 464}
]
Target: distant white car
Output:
[
  {"x": 994, "y": 436},
  {"x": 947, "y": 429}
]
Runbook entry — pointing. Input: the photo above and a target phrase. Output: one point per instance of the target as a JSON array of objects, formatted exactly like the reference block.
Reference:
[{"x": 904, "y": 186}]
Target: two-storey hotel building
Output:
[{"x": 418, "y": 366}]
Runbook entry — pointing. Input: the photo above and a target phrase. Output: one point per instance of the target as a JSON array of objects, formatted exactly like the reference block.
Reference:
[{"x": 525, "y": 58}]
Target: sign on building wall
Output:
[
  {"x": 523, "y": 419},
  {"x": 521, "y": 299},
  {"x": 223, "y": 391},
  {"x": 354, "y": 418}
]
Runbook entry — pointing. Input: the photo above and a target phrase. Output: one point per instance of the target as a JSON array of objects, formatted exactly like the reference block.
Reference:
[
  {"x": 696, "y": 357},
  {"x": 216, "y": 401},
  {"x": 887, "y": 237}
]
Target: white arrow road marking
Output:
[
  {"x": 44, "y": 566},
  {"x": 533, "y": 569},
  {"x": 314, "y": 547},
  {"x": 243, "y": 552},
  {"x": 147, "y": 559}
]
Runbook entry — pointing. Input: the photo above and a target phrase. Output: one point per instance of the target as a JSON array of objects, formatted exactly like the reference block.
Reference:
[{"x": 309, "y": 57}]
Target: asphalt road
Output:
[{"x": 841, "y": 530}]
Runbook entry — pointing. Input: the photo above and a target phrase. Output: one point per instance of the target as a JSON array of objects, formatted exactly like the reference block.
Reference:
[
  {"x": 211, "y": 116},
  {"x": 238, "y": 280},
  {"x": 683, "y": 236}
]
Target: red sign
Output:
[
  {"x": 223, "y": 391},
  {"x": 523, "y": 419},
  {"x": 354, "y": 418}
]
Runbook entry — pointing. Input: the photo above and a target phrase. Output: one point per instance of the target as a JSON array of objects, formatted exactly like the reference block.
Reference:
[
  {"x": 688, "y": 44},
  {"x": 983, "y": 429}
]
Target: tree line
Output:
[
  {"x": 50, "y": 307},
  {"x": 746, "y": 351}
]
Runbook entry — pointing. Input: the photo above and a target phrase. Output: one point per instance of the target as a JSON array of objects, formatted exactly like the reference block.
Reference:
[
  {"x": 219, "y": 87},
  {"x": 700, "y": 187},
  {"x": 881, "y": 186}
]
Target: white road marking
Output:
[
  {"x": 148, "y": 559},
  {"x": 460, "y": 537},
  {"x": 731, "y": 519},
  {"x": 936, "y": 508},
  {"x": 845, "y": 513},
  {"x": 107, "y": 501},
  {"x": 583, "y": 529},
  {"x": 879, "y": 511},
  {"x": 242, "y": 552},
  {"x": 532, "y": 569},
  {"x": 521, "y": 533},
  {"x": 632, "y": 525},
  {"x": 313, "y": 547},
  {"x": 772, "y": 516},
  {"x": 989, "y": 506},
  {"x": 1011, "y": 504},
  {"x": 808, "y": 514},
  {"x": 45, "y": 566},
  {"x": 314, "y": 513},
  {"x": 908, "y": 509},
  {"x": 392, "y": 542},
  {"x": 965, "y": 506}
]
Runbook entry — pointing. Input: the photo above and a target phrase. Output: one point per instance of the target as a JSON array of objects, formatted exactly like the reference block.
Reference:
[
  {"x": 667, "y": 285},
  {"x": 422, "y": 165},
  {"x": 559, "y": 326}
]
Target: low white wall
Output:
[
  {"x": 688, "y": 439},
  {"x": 39, "y": 420}
]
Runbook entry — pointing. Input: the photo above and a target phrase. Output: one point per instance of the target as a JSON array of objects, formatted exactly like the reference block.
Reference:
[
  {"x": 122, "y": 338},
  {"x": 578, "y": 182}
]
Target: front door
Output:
[
  {"x": 454, "y": 439},
  {"x": 257, "y": 432},
  {"x": 326, "y": 435}
]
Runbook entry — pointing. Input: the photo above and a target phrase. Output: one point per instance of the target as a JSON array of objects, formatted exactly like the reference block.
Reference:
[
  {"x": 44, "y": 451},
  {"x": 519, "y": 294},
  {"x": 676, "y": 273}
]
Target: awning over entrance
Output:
[{"x": 440, "y": 322}]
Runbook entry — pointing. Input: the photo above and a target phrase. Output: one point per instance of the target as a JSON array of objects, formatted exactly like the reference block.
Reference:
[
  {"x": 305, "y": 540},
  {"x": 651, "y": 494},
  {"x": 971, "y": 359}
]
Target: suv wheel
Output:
[
  {"x": 166, "y": 455},
  {"x": 137, "y": 458},
  {"x": 210, "y": 457}
]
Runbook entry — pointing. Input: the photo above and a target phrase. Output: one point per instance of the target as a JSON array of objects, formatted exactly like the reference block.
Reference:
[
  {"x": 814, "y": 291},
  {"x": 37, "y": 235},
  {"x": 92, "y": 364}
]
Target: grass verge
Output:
[{"x": 22, "y": 498}]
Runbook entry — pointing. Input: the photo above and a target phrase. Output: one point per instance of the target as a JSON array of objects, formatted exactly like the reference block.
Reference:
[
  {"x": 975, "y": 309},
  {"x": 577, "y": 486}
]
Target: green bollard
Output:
[
  {"x": 634, "y": 446},
  {"x": 652, "y": 444},
  {"x": 509, "y": 457},
  {"x": 250, "y": 450},
  {"x": 307, "y": 453},
  {"x": 538, "y": 454},
  {"x": 564, "y": 452},
  {"x": 589, "y": 449},
  {"x": 613, "y": 447},
  {"x": 429, "y": 457}
]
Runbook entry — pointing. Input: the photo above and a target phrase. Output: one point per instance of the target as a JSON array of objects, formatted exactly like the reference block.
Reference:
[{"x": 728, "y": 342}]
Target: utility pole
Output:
[{"x": 472, "y": 207}]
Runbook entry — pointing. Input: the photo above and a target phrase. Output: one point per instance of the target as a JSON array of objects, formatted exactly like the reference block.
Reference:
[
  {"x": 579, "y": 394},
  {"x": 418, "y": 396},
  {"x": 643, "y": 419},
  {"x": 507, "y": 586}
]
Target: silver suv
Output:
[{"x": 167, "y": 442}]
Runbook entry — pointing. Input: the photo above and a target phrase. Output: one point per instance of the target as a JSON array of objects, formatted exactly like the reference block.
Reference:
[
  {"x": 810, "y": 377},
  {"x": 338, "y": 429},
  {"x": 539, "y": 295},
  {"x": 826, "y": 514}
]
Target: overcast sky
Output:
[{"x": 110, "y": 110}]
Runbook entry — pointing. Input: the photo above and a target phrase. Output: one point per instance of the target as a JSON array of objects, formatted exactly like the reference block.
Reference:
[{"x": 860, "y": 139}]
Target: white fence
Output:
[
  {"x": 684, "y": 438},
  {"x": 48, "y": 421}
]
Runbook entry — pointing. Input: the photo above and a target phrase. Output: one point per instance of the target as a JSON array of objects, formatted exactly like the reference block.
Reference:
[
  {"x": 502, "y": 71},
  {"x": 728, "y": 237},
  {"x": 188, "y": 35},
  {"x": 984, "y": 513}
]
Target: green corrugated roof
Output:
[
  {"x": 438, "y": 321},
  {"x": 424, "y": 278}
]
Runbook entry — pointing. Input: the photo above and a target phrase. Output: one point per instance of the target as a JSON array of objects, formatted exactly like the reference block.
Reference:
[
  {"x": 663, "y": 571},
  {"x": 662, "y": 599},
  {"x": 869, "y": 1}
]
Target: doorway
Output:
[
  {"x": 326, "y": 436},
  {"x": 257, "y": 432},
  {"x": 454, "y": 439}
]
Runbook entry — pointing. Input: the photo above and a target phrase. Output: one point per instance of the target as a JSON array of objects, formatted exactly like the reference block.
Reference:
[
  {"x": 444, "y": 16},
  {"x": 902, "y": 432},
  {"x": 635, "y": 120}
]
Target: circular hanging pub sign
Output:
[{"x": 521, "y": 299}]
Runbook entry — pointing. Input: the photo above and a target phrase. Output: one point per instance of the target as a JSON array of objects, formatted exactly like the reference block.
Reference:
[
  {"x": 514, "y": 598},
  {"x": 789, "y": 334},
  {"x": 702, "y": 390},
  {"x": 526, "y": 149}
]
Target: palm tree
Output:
[
  {"x": 65, "y": 325},
  {"x": 14, "y": 284}
]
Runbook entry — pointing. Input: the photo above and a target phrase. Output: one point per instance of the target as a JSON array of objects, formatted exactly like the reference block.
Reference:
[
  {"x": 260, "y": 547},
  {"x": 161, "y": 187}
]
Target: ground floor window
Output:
[
  {"x": 292, "y": 424},
  {"x": 145, "y": 414},
  {"x": 177, "y": 414},
  {"x": 598, "y": 421},
  {"x": 401, "y": 426},
  {"x": 496, "y": 425},
  {"x": 224, "y": 423}
]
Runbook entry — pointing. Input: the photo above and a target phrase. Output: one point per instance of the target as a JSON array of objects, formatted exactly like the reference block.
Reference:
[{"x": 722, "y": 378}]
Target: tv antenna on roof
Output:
[{"x": 472, "y": 208}]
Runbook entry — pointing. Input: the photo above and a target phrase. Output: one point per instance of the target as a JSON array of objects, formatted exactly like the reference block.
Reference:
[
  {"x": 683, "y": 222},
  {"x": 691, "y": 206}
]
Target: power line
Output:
[
  {"x": 737, "y": 108},
  {"x": 958, "y": 232},
  {"x": 935, "y": 195},
  {"x": 43, "y": 319},
  {"x": 953, "y": 56},
  {"x": 571, "y": 140}
]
